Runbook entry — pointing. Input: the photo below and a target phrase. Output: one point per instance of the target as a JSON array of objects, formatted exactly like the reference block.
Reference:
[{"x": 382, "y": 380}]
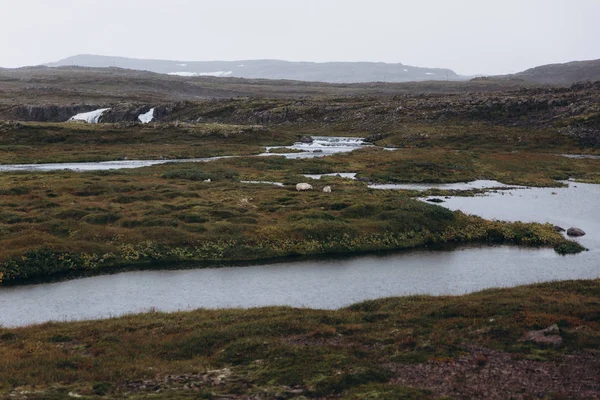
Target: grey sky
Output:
[{"x": 469, "y": 36}]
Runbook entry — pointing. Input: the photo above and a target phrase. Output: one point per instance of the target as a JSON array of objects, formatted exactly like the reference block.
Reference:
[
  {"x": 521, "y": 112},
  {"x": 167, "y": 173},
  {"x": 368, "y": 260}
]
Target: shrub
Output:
[
  {"x": 343, "y": 382},
  {"x": 361, "y": 211},
  {"x": 193, "y": 218},
  {"x": 196, "y": 174},
  {"x": 102, "y": 388},
  {"x": 188, "y": 174},
  {"x": 569, "y": 247},
  {"x": 101, "y": 218},
  {"x": 72, "y": 214},
  {"x": 15, "y": 191}
]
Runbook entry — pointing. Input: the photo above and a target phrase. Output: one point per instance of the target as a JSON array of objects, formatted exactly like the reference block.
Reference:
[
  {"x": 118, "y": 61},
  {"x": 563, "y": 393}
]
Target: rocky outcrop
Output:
[
  {"x": 50, "y": 113},
  {"x": 575, "y": 232},
  {"x": 549, "y": 336},
  {"x": 124, "y": 114}
]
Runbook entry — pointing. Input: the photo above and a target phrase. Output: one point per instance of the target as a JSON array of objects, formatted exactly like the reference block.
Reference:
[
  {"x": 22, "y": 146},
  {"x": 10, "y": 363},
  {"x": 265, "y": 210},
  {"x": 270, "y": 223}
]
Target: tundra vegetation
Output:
[
  {"x": 59, "y": 223},
  {"x": 416, "y": 347},
  {"x": 63, "y": 223}
]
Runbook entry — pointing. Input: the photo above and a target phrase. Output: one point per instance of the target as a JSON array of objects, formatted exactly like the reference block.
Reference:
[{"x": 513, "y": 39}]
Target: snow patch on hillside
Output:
[
  {"x": 147, "y": 117},
  {"x": 92, "y": 117},
  {"x": 218, "y": 74}
]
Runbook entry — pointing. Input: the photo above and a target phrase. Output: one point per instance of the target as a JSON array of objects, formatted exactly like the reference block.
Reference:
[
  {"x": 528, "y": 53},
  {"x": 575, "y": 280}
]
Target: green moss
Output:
[{"x": 569, "y": 247}]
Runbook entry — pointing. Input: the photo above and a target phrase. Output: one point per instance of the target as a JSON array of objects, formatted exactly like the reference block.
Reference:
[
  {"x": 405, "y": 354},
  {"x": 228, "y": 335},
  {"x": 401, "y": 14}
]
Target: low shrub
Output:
[
  {"x": 569, "y": 247},
  {"x": 101, "y": 218}
]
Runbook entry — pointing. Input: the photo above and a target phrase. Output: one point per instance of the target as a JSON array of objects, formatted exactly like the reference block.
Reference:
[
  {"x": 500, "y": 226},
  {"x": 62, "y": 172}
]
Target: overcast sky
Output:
[{"x": 468, "y": 36}]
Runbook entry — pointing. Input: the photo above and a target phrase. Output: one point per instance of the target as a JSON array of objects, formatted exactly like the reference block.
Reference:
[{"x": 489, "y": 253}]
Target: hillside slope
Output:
[
  {"x": 559, "y": 74},
  {"x": 332, "y": 72}
]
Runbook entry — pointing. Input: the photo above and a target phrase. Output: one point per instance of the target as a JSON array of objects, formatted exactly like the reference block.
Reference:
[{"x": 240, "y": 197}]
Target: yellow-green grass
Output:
[
  {"x": 35, "y": 142},
  {"x": 64, "y": 221},
  {"x": 280, "y": 352}
]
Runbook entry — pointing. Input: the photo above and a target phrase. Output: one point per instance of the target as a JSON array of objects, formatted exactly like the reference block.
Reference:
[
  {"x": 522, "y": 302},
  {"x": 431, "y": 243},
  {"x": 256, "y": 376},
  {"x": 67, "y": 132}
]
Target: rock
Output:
[
  {"x": 548, "y": 336},
  {"x": 306, "y": 139},
  {"x": 364, "y": 179},
  {"x": 301, "y": 187},
  {"x": 558, "y": 228},
  {"x": 374, "y": 137},
  {"x": 317, "y": 151},
  {"x": 435, "y": 200},
  {"x": 575, "y": 232},
  {"x": 327, "y": 189}
]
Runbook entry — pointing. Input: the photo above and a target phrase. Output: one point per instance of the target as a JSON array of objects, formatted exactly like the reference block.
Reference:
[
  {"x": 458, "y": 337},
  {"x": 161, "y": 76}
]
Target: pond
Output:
[{"x": 334, "y": 283}]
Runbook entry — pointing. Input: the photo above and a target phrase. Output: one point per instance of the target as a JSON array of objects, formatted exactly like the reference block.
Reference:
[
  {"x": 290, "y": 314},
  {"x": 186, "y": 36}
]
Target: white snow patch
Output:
[
  {"x": 91, "y": 117},
  {"x": 217, "y": 73},
  {"x": 190, "y": 74},
  {"x": 405, "y": 70},
  {"x": 187, "y": 74},
  {"x": 147, "y": 118},
  {"x": 182, "y": 65},
  {"x": 241, "y": 66},
  {"x": 429, "y": 73}
]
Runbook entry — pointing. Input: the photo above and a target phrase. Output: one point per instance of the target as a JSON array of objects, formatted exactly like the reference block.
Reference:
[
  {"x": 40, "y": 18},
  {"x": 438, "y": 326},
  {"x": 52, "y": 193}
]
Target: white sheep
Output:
[
  {"x": 301, "y": 187},
  {"x": 327, "y": 189}
]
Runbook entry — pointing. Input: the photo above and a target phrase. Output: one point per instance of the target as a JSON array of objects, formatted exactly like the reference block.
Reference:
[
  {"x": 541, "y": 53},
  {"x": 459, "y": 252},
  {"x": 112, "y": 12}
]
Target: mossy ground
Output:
[
  {"x": 63, "y": 221},
  {"x": 51, "y": 223},
  {"x": 289, "y": 353}
]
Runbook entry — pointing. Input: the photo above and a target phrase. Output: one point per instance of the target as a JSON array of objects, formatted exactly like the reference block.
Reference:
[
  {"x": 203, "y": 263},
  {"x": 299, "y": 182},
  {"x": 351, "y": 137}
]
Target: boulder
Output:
[
  {"x": 575, "y": 232},
  {"x": 374, "y": 137},
  {"x": 306, "y": 139},
  {"x": 327, "y": 189},
  {"x": 549, "y": 336},
  {"x": 558, "y": 228},
  {"x": 301, "y": 187}
]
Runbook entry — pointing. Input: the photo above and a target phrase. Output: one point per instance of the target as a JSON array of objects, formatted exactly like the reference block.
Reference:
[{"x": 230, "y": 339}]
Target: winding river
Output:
[
  {"x": 335, "y": 283},
  {"x": 321, "y": 146}
]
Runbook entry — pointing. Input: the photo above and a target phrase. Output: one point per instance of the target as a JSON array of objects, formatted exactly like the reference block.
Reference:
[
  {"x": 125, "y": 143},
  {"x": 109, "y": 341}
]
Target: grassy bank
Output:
[
  {"x": 396, "y": 348},
  {"x": 62, "y": 221},
  {"x": 32, "y": 142},
  {"x": 436, "y": 165}
]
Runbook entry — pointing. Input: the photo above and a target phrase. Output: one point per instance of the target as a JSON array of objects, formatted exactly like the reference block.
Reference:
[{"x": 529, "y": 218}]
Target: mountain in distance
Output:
[
  {"x": 563, "y": 74},
  {"x": 557, "y": 74},
  {"x": 329, "y": 72}
]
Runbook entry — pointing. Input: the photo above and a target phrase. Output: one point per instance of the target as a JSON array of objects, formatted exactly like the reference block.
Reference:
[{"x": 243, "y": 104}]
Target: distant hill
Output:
[
  {"x": 105, "y": 86},
  {"x": 330, "y": 72},
  {"x": 558, "y": 74}
]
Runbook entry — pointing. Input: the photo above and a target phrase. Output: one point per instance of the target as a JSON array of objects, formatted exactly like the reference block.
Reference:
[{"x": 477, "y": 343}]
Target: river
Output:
[
  {"x": 330, "y": 283},
  {"x": 334, "y": 283}
]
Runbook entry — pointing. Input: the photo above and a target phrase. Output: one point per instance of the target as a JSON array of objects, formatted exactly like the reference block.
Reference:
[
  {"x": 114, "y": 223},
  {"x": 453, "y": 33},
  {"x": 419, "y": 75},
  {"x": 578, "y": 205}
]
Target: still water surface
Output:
[{"x": 331, "y": 284}]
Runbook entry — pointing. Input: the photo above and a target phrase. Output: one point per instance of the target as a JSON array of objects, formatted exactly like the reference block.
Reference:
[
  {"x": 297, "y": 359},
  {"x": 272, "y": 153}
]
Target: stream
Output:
[{"x": 329, "y": 283}]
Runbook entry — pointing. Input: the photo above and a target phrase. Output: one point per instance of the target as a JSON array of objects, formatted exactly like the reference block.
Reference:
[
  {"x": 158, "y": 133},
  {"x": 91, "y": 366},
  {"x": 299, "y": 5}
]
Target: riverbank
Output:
[
  {"x": 60, "y": 222},
  {"x": 377, "y": 349}
]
